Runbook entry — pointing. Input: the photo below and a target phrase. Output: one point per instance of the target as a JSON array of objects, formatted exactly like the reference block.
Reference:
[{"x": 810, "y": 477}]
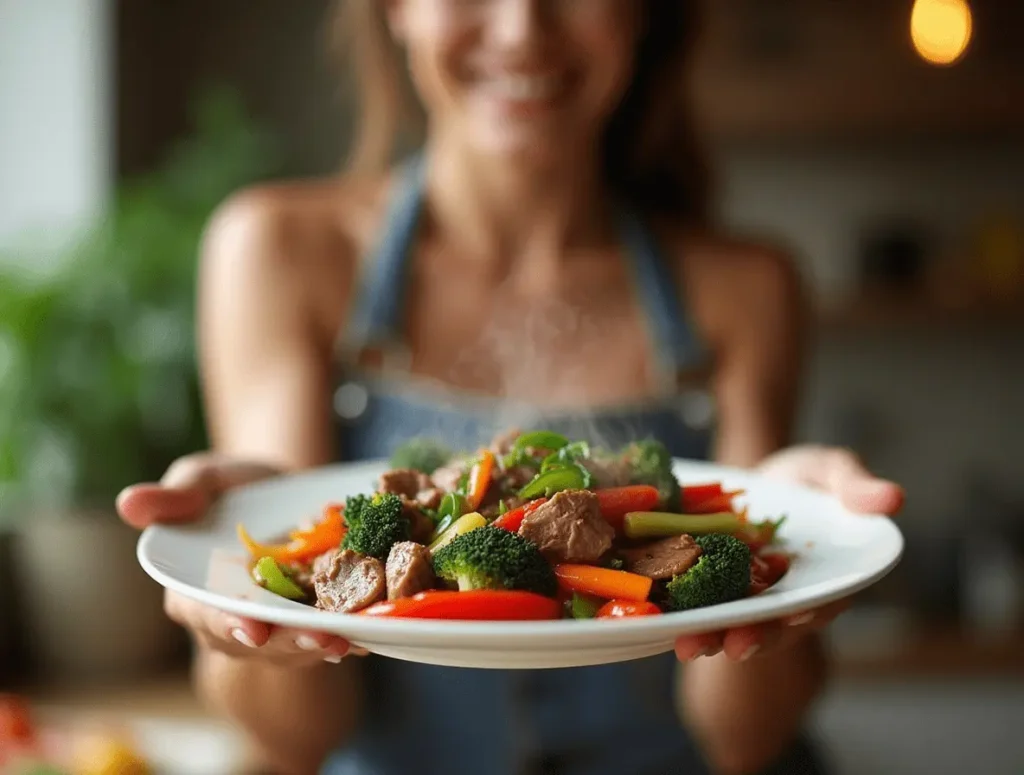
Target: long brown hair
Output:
[{"x": 652, "y": 157}]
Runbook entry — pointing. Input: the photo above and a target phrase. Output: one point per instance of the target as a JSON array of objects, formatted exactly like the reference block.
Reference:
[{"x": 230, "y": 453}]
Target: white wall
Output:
[{"x": 55, "y": 115}]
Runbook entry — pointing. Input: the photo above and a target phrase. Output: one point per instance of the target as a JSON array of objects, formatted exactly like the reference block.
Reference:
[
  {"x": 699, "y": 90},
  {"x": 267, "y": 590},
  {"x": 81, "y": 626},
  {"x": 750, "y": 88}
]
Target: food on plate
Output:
[{"x": 536, "y": 526}]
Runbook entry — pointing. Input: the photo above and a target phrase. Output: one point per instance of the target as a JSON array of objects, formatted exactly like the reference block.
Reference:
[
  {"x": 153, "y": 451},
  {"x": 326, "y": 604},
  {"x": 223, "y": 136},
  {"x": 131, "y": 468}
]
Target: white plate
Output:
[{"x": 838, "y": 553}]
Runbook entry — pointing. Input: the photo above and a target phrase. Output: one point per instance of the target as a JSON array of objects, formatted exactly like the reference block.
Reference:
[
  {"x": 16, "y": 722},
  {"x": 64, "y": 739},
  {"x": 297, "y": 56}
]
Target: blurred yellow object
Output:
[
  {"x": 98, "y": 754},
  {"x": 941, "y": 30}
]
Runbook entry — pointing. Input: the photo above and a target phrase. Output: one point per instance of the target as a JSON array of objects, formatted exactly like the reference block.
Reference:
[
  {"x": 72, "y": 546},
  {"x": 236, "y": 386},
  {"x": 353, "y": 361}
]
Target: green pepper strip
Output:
[
  {"x": 584, "y": 606},
  {"x": 269, "y": 574},
  {"x": 570, "y": 477},
  {"x": 540, "y": 440}
]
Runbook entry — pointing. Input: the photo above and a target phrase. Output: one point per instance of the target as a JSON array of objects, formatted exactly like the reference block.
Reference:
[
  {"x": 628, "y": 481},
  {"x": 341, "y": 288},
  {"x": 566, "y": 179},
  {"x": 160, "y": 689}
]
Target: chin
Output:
[{"x": 537, "y": 150}]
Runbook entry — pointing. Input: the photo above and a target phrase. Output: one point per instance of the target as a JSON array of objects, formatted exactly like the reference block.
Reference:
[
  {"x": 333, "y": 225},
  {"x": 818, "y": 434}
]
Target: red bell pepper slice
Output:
[
  {"x": 616, "y": 502},
  {"x": 306, "y": 544},
  {"x": 766, "y": 570},
  {"x": 480, "y": 479},
  {"x": 479, "y": 604},
  {"x": 604, "y": 582},
  {"x": 758, "y": 535},
  {"x": 615, "y": 609},
  {"x": 708, "y": 498},
  {"x": 513, "y": 520}
]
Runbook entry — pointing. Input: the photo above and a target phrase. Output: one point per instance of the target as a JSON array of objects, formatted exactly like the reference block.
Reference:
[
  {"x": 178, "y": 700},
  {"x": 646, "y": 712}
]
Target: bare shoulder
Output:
[
  {"x": 737, "y": 287},
  {"x": 303, "y": 239}
]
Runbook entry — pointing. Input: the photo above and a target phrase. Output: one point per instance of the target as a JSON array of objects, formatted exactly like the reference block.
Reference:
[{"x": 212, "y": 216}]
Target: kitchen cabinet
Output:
[{"x": 804, "y": 70}]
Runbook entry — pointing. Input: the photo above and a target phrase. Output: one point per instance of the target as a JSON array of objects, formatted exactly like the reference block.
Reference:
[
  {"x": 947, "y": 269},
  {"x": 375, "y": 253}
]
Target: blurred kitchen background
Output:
[{"x": 881, "y": 140}]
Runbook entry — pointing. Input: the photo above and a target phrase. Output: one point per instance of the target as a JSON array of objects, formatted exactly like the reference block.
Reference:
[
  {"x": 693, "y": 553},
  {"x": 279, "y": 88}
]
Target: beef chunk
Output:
[
  {"x": 663, "y": 559},
  {"x": 409, "y": 570},
  {"x": 569, "y": 528},
  {"x": 421, "y": 527},
  {"x": 447, "y": 477},
  {"x": 429, "y": 498},
  {"x": 347, "y": 581},
  {"x": 404, "y": 481},
  {"x": 502, "y": 443}
]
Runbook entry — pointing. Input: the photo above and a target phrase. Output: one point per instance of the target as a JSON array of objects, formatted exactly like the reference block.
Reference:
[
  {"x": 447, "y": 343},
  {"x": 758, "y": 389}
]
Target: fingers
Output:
[
  {"x": 188, "y": 488},
  {"x": 244, "y": 638},
  {"x": 741, "y": 644},
  {"x": 142, "y": 505},
  {"x": 839, "y": 472}
]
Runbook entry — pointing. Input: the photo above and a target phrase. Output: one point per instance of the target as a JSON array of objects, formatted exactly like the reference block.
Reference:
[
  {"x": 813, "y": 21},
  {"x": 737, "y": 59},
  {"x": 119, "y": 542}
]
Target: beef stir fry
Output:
[{"x": 534, "y": 527}]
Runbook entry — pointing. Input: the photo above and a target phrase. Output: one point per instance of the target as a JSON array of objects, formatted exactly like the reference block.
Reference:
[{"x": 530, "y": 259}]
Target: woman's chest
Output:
[{"x": 585, "y": 342}]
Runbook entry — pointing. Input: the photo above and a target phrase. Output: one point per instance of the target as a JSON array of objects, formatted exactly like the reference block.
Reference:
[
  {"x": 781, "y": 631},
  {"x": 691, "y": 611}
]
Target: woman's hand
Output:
[
  {"x": 838, "y": 472},
  {"x": 188, "y": 488}
]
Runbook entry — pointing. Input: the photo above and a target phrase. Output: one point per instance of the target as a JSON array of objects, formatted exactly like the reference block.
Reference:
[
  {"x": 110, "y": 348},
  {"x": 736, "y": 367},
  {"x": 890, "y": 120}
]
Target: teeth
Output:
[{"x": 525, "y": 87}]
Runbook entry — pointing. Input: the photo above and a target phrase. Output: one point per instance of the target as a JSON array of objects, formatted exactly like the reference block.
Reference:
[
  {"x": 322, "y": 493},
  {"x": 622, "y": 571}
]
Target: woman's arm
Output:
[
  {"x": 266, "y": 382},
  {"x": 744, "y": 713}
]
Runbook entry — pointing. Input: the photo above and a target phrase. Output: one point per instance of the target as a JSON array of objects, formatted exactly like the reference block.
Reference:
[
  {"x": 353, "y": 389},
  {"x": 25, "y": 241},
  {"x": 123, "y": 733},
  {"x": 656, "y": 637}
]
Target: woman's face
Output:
[{"x": 522, "y": 78}]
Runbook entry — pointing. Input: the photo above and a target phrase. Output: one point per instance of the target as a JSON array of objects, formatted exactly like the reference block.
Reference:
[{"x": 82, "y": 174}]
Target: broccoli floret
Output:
[
  {"x": 722, "y": 574},
  {"x": 421, "y": 454},
  {"x": 493, "y": 558},
  {"x": 650, "y": 463},
  {"x": 375, "y": 524}
]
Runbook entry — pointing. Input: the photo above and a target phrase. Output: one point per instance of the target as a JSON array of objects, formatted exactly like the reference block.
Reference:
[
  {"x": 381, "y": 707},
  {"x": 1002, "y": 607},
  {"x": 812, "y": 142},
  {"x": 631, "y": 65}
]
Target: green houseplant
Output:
[{"x": 99, "y": 385}]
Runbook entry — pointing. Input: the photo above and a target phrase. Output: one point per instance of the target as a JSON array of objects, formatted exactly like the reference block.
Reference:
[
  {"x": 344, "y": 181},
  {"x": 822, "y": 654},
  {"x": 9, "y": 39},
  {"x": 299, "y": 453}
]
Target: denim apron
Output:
[{"x": 615, "y": 719}]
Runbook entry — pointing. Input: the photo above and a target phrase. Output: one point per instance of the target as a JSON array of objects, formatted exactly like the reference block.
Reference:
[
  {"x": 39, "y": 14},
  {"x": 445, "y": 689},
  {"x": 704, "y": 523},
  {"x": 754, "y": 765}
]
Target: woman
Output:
[{"x": 542, "y": 261}]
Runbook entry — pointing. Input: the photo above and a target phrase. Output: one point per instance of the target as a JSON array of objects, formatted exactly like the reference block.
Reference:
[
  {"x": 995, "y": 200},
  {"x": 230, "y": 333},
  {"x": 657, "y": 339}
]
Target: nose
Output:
[{"x": 518, "y": 22}]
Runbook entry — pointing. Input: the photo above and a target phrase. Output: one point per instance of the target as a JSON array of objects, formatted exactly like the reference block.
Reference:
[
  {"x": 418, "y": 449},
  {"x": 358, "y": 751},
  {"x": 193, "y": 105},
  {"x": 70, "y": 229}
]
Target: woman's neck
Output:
[{"x": 512, "y": 211}]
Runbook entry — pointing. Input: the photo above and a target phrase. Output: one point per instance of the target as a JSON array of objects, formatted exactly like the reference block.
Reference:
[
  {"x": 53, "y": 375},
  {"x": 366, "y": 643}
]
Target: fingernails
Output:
[
  {"x": 243, "y": 637},
  {"x": 307, "y": 643},
  {"x": 800, "y": 619},
  {"x": 334, "y": 659},
  {"x": 749, "y": 652}
]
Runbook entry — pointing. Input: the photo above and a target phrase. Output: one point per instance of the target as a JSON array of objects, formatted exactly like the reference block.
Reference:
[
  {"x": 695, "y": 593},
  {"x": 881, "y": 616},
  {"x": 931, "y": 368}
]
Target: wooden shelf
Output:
[
  {"x": 940, "y": 653},
  {"x": 881, "y": 312}
]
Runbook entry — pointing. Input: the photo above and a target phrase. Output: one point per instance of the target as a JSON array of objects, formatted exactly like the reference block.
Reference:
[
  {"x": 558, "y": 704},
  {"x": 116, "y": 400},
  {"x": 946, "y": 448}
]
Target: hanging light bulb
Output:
[{"x": 941, "y": 30}]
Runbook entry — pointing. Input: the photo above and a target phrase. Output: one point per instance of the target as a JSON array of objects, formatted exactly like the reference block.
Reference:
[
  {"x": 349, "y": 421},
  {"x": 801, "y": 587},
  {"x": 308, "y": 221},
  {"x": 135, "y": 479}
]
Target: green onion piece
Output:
[
  {"x": 268, "y": 574},
  {"x": 584, "y": 606},
  {"x": 502, "y": 508},
  {"x": 571, "y": 477},
  {"x": 452, "y": 505},
  {"x": 657, "y": 524},
  {"x": 540, "y": 440}
]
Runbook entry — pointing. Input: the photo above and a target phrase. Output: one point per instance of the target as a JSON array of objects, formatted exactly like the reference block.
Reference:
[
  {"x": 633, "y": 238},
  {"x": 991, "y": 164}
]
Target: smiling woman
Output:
[
  {"x": 633, "y": 93},
  {"x": 543, "y": 260}
]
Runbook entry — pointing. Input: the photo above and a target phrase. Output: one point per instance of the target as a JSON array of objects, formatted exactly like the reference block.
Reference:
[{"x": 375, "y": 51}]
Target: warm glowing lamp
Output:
[{"x": 941, "y": 30}]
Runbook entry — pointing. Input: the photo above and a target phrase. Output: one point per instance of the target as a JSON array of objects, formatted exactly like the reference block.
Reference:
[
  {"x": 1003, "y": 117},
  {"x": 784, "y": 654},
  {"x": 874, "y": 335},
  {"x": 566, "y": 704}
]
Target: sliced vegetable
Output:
[
  {"x": 480, "y": 479},
  {"x": 513, "y": 520},
  {"x": 452, "y": 507},
  {"x": 481, "y": 604},
  {"x": 617, "y": 502},
  {"x": 657, "y": 524},
  {"x": 619, "y": 608},
  {"x": 584, "y": 606},
  {"x": 760, "y": 534},
  {"x": 548, "y": 440},
  {"x": 708, "y": 498},
  {"x": 462, "y": 525},
  {"x": 604, "y": 582},
  {"x": 570, "y": 453},
  {"x": 305, "y": 545},
  {"x": 269, "y": 574},
  {"x": 569, "y": 477}
]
